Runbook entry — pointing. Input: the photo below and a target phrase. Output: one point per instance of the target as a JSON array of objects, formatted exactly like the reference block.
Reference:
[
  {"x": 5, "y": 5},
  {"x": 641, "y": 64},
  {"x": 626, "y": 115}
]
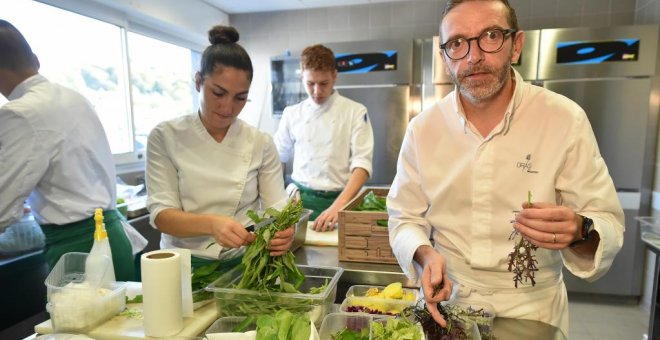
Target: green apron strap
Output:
[
  {"x": 316, "y": 200},
  {"x": 79, "y": 237}
]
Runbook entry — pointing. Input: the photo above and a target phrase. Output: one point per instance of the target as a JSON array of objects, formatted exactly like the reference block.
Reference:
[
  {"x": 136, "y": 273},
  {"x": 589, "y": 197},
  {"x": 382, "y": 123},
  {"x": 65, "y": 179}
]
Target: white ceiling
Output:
[{"x": 248, "y": 6}]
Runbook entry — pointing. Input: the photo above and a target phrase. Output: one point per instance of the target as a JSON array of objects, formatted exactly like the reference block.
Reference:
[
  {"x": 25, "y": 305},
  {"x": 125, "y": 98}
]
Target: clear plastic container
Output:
[
  {"x": 482, "y": 313},
  {"x": 222, "y": 329},
  {"x": 74, "y": 306},
  {"x": 385, "y": 320},
  {"x": 242, "y": 302},
  {"x": 357, "y": 301},
  {"x": 228, "y": 323},
  {"x": 334, "y": 323}
]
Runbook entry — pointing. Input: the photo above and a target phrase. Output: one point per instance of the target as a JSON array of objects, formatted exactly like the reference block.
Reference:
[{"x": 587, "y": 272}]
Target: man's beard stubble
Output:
[{"x": 479, "y": 91}]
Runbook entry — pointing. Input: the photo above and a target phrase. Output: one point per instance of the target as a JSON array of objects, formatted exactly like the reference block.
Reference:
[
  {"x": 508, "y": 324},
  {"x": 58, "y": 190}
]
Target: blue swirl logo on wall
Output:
[
  {"x": 591, "y": 52},
  {"x": 366, "y": 62}
]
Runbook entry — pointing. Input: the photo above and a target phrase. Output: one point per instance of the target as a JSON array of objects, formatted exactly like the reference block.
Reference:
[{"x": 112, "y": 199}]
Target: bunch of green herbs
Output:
[{"x": 263, "y": 272}]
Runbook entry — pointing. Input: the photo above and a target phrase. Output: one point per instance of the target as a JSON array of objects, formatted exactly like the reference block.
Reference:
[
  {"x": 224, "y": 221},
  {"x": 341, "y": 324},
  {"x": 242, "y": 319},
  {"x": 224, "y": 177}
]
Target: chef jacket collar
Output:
[
  {"x": 514, "y": 103},
  {"x": 323, "y": 107},
  {"x": 21, "y": 88}
]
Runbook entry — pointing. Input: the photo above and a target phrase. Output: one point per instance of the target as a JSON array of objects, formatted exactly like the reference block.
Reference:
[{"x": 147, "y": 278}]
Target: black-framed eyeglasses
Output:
[{"x": 490, "y": 41}]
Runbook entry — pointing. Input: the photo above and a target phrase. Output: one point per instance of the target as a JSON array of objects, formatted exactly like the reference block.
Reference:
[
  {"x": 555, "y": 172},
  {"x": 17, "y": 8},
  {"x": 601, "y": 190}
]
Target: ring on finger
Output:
[{"x": 554, "y": 238}]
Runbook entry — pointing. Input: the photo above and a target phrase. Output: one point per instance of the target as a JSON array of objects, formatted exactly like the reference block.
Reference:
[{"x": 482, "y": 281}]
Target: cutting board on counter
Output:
[
  {"x": 127, "y": 328},
  {"x": 318, "y": 238}
]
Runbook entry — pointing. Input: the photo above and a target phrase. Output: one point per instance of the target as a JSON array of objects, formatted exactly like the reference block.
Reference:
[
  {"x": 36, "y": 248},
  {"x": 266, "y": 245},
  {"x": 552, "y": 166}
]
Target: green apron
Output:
[
  {"x": 79, "y": 237},
  {"x": 316, "y": 200}
]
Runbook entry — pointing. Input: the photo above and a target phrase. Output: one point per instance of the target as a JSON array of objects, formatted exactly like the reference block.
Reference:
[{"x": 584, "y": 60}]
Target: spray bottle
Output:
[{"x": 99, "y": 270}]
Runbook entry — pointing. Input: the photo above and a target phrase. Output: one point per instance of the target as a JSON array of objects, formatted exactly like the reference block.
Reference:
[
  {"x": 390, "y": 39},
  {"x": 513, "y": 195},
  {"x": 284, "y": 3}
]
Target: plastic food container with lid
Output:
[
  {"x": 231, "y": 301},
  {"x": 73, "y": 304}
]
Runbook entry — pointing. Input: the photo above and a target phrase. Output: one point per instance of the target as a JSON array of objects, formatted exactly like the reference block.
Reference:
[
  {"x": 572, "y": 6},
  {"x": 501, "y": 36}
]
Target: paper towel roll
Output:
[{"x": 161, "y": 290}]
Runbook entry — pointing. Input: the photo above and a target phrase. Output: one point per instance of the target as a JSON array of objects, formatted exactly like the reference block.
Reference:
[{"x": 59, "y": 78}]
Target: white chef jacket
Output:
[
  {"x": 328, "y": 140},
  {"x": 53, "y": 153},
  {"x": 461, "y": 190},
  {"x": 188, "y": 170}
]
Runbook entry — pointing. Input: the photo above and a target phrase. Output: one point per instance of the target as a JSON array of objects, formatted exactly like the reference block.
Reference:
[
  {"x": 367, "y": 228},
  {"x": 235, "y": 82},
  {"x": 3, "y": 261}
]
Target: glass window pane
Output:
[
  {"x": 82, "y": 53},
  {"x": 161, "y": 83}
]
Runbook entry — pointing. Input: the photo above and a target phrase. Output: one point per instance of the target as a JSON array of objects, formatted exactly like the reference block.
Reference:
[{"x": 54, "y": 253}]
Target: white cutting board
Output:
[
  {"x": 321, "y": 238},
  {"x": 125, "y": 328}
]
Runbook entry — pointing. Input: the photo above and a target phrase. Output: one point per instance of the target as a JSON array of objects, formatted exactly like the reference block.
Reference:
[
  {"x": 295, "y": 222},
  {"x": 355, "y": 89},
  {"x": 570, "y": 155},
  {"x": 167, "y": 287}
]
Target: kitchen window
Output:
[
  {"x": 96, "y": 57},
  {"x": 161, "y": 84}
]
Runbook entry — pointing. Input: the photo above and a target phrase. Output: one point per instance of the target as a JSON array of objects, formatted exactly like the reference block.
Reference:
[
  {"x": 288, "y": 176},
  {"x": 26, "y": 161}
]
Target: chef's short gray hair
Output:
[{"x": 512, "y": 19}]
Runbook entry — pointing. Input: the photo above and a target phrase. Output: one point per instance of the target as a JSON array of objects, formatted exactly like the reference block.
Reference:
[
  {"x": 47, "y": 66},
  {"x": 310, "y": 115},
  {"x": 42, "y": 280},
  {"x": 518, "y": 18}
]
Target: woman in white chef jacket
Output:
[{"x": 206, "y": 170}]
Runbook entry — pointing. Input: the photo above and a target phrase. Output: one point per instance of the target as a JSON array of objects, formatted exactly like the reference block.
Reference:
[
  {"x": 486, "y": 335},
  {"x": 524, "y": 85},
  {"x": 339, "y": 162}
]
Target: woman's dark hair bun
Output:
[{"x": 223, "y": 35}]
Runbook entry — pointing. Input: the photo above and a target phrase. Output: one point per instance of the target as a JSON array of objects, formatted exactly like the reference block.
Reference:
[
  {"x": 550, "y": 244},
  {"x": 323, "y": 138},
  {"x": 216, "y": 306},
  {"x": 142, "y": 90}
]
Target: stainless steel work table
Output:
[
  {"x": 383, "y": 274},
  {"x": 354, "y": 272}
]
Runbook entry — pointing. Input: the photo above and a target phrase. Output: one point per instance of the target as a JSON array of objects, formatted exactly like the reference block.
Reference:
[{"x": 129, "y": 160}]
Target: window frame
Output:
[{"x": 137, "y": 23}]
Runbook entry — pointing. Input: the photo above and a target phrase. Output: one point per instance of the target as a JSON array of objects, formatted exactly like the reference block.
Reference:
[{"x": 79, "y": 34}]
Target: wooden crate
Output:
[{"x": 361, "y": 239}]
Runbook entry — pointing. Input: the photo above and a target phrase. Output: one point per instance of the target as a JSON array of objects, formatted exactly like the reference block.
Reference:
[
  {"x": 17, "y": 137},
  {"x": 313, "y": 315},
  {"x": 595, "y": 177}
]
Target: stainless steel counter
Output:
[{"x": 354, "y": 272}]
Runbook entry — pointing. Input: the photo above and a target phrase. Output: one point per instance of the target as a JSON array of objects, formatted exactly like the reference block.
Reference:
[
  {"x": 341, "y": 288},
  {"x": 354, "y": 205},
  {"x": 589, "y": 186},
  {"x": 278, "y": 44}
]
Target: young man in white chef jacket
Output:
[
  {"x": 466, "y": 167},
  {"x": 54, "y": 154},
  {"x": 331, "y": 138}
]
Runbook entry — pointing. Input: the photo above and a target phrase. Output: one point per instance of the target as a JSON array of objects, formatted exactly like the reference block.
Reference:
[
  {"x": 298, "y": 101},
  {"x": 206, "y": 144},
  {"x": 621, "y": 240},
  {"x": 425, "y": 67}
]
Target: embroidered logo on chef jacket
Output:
[{"x": 526, "y": 166}]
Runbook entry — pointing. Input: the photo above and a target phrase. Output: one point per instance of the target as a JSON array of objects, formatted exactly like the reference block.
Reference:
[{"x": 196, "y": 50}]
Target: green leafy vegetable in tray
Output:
[
  {"x": 283, "y": 325},
  {"x": 347, "y": 334},
  {"x": 373, "y": 202}
]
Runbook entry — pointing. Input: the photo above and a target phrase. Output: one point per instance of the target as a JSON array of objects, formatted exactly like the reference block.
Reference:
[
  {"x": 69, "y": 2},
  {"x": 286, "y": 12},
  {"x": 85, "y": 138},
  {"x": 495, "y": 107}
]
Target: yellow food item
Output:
[
  {"x": 373, "y": 291},
  {"x": 393, "y": 291},
  {"x": 409, "y": 296}
]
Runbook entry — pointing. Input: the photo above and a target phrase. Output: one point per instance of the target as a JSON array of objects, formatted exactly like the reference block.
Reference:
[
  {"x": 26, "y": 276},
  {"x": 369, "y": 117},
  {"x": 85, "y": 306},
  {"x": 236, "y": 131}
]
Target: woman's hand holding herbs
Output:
[
  {"x": 229, "y": 233},
  {"x": 547, "y": 225},
  {"x": 435, "y": 282},
  {"x": 282, "y": 241}
]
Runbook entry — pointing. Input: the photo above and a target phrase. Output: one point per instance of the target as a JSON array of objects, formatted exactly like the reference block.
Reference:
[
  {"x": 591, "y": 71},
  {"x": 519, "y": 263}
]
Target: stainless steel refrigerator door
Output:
[
  {"x": 626, "y": 274},
  {"x": 618, "y": 110},
  {"x": 388, "y": 111}
]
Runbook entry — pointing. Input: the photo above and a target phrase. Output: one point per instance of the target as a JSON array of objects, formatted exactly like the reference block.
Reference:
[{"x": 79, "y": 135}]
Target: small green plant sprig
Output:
[{"x": 522, "y": 260}]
